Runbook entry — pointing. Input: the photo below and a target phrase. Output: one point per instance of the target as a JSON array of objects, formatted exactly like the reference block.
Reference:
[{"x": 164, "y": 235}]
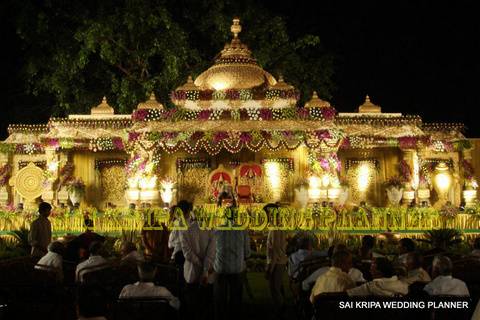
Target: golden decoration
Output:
[
  {"x": 282, "y": 85},
  {"x": 113, "y": 180},
  {"x": 189, "y": 85},
  {"x": 102, "y": 109},
  {"x": 151, "y": 103},
  {"x": 317, "y": 102},
  {"x": 235, "y": 68},
  {"x": 29, "y": 182},
  {"x": 369, "y": 107}
]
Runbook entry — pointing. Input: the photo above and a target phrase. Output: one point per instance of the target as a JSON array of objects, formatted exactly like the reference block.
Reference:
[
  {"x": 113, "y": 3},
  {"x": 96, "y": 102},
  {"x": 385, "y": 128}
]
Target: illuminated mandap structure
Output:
[{"x": 238, "y": 129}]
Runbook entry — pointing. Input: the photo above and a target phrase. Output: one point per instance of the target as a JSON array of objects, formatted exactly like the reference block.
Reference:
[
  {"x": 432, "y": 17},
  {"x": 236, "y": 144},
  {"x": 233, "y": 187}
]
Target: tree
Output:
[{"x": 78, "y": 51}]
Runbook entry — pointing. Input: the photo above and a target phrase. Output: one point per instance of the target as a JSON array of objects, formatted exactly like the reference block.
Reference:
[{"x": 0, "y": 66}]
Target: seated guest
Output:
[
  {"x": 385, "y": 282},
  {"x": 94, "y": 262},
  {"x": 130, "y": 253},
  {"x": 53, "y": 260},
  {"x": 336, "y": 278},
  {"x": 92, "y": 303},
  {"x": 355, "y": 274},
  {"x": 146, "y": 288},
  {"x": 476, "y": 248},
  {"x": 366, "y": 252},
  {"x": 305, "y": 251},
  {"x": 443, "y": 282},
  {"x": 405, "y": 246},
  {"x": 415, "y": 272}
]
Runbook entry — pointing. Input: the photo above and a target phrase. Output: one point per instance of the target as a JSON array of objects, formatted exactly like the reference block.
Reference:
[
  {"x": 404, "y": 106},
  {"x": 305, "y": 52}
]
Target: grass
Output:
[{"x": 261, "y": 307}]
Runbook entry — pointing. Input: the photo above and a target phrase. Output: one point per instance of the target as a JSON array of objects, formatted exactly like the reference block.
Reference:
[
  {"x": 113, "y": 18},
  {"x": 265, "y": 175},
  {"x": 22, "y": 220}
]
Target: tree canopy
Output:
[{"x": 78, "y": 51}]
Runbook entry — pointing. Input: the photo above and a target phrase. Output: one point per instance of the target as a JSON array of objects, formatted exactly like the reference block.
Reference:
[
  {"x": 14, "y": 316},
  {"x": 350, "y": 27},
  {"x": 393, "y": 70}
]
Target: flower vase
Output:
[
  {"x": 76, "y": 196},
  {"x": 394, "y": 195}
]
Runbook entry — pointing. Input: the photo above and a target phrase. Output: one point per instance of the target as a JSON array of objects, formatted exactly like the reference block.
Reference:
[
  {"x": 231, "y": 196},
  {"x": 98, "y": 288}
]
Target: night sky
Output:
[{"x": 413, "y": 57}]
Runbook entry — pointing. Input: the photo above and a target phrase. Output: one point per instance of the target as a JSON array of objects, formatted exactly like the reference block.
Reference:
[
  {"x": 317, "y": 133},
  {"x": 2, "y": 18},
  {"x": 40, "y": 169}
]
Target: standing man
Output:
[
  {"x": 198, "y": 247},
  {"x": 276, "y": 259},
  {"x": 40, "y": 234},
  {"x": 232, "y": 248}
]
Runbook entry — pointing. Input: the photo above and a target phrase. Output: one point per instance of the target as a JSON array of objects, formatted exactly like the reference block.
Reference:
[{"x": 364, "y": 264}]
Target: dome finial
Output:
[
  {"x": 369, "y": 107},
  {"x": 103, "y": 108},
  {"x": 236, "y": 28},
  {"x": 316, "y": 102}
]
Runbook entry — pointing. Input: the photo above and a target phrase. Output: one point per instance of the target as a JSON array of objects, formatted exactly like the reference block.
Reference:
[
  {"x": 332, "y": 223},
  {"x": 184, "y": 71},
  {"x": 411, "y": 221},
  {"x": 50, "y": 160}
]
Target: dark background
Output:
[{"x": 414, "y": 57}]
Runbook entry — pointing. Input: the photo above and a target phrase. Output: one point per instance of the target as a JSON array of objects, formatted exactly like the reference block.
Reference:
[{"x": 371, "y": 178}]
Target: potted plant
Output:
[
  {"x": 394, "y": 188},
  {"x": 76, "y": 190}
]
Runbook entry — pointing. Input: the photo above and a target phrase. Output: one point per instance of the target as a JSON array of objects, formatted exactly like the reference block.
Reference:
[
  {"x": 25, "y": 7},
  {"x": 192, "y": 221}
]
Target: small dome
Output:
[
  {"x": 102, "y": 109},
  {"x": 369, "y": 107},
  {"x": 151, "y": 103},
  {"x": 235, "y": 68},
  {"x": 316, "y": 102}
]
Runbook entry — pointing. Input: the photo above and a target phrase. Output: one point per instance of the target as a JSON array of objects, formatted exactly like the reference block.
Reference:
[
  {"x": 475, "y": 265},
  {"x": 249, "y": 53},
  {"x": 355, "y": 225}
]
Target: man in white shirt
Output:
[
  {"x": 415, "y": 272},
  {"x": 130, "y": 253},
  {"x": 355, "y": 274},
  {"x": 444, "y": 283},
  {"x": 53, "y": 260},
  {"x": 146, "y": 288},
  {"x": 385, "y": 282},
  {"x": 336, "y": 278},
  {"x": 94, "y": 262}
]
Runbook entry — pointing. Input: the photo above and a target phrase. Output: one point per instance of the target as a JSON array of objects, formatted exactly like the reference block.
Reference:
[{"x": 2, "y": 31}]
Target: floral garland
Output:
[
  {"x": 243, "y": 114},
  {"x": 234, "y": 141},
  {"x": 442, "y": 146},
  {"x": 106, "y": 144},
  {"x": 405, "y": 171},
  {"x": 65, "y": 175},
  {"x": 29, "y": 148},
  {"x": 469, "y": 174},
  {"x": 234, "y": 94},
  {"x": 5, "y": 174},
  {"x": 448, "y": 211}
]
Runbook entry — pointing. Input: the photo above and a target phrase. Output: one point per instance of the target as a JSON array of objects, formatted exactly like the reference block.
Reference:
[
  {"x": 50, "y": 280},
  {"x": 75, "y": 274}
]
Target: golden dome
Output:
[
  {"x": 189, "y": 85},
  {"x": 317, "y": 102},
  {"x": 235, "y": 68},
  {"x": 369, "y": 107},
  {"x": 151, "y": 103},
  {"x": 102, "y": 109}
]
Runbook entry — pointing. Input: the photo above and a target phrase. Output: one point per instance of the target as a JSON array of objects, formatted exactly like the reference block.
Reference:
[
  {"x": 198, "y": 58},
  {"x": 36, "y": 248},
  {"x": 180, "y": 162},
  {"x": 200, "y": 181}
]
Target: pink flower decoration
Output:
[
  {"x": 118, "y": 143},
  {"x": 266, "y": 114},
  {"x": 54, "y": 143},
  {"x": 407, "y": 142},
  {"x": 245, "y": 137},
  {"x": 328, "y": 113},
  {"x": 219, "y": 136},
  {"x": 303, "y": 113},
  {"x": 323, "y": 134},
  {"x": 324, "y": 164},
  {"x": 133, "y": 136},
  {"x": 140, "y": 115},
  {"x": 204, "y": 114}
]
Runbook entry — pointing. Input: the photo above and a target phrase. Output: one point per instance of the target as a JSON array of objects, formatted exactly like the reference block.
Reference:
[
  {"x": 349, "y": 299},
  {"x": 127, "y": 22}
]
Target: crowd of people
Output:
[{"x": 213, "y": 265}]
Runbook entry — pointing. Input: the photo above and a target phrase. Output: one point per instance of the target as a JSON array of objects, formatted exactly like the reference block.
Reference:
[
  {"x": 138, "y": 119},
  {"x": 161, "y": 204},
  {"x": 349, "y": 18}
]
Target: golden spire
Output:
[
  {"x": 236, "y": 27},
  {"x": 103, "y": 108},
  {"x": 189, "y": 85},
  {"x": 317, "y": 102},
  {"x": 369, "y": 107},
  {"x": 151, "y": 103},
  {"x": 281, "y": 84}
]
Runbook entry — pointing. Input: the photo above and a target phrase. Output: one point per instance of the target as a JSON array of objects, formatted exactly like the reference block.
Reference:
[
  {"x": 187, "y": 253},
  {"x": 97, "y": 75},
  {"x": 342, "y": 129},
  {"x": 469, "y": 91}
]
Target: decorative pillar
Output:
[
  {"x": 410, "y": 159},
  {"x": 5, "y": 172},
  {"x": 470, "y": 183},
  {"x": 53, "y": 162},
  {"x": 423, "y": 189}
]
